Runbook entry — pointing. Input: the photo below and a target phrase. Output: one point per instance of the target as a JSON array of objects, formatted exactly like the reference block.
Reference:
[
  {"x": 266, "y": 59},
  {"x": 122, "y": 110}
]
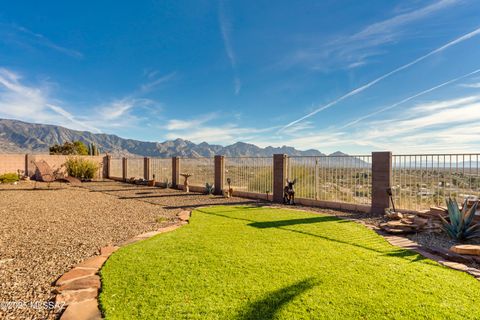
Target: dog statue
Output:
[{"x": 289, "y": 192}]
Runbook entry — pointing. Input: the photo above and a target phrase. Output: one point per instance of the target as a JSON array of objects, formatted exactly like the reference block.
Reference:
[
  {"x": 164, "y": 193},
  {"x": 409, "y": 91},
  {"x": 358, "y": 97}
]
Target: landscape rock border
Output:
[
  {"x": 79, "y": 288},
  {"x": 408, "y": 244}
]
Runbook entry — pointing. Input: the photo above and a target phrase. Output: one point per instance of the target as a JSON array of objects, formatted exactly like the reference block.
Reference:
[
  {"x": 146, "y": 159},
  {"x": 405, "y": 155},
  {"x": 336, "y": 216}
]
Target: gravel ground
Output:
[{"x": 46, "y": 230}]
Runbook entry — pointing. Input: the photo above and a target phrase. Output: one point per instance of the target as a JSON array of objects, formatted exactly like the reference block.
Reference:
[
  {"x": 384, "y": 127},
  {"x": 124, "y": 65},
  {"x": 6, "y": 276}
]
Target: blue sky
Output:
[{"x": 331, "y": 75}]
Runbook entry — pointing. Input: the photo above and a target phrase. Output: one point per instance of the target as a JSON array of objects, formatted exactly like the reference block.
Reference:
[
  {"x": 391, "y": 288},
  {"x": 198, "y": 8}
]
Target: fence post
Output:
[
  {"x": 381, "y": 181},
  {"x": 279, "y": 176},
  {"x": 27, "y": 163},
  {"x": 124, "y": 168},
  {"x": 175, "y": 172},
  {"x": 146, "y": 168},
  {"x": 108, "y": 162},
  {"x": 219, "y": 174}
]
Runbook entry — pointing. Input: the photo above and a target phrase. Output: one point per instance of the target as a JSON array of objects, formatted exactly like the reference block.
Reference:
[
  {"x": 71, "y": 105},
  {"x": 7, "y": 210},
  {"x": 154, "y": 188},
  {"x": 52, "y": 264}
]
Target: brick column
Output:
[
  {"x": 108, "y": 164},
  {"x": 279, "y": 176},
  {"x": 27, "y": 163},
  {"x": 146, "y": 168},
  {"x": 124, "y": 168},
  {"x": 219, "y": 174},
  {"x": 381, "y": 181},
  {"x": 175, "y": 172}
]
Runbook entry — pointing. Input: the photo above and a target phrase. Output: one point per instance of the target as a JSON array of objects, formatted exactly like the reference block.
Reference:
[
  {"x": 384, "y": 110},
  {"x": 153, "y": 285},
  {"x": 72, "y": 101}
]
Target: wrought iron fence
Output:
[
  {"x": 135, "y": 168},
  {"x": 202, "y": 170},
  {"x": 421, "y": 181},
  {"x": 162, "y": 169},
  {"x": 332, "y": 178},
  {"x": 116, "y": 167},
  {"x": 251, "y": 174}
]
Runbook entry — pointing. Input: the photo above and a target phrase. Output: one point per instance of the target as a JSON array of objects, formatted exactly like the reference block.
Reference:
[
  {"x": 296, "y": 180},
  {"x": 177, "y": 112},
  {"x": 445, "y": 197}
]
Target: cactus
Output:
[
  {"x": 461, "y": 225},
  {"x": 93, "y": 150}
]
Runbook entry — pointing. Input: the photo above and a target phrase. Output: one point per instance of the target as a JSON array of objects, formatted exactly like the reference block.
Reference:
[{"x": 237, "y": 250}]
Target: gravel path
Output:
[{"x": 47, "y": 230}]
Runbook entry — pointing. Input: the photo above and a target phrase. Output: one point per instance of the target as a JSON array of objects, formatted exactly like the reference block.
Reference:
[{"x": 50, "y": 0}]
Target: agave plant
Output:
[
  {"x": 461, "y": 225},
  {"x": 209, "y": 188}
]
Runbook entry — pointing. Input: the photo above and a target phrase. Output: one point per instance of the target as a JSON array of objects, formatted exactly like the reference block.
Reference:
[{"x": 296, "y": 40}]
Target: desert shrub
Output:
[
  {"x": 9, "y": 177},
  {"x": 81, "y": 168}
]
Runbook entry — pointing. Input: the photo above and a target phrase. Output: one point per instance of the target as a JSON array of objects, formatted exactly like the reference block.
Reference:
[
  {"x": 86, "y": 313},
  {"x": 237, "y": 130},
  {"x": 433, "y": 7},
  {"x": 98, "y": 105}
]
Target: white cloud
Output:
[
  {"x": 191, "y": 124},
  {"x": 200, "y": 129},
  {"x": 13, "y": 33},
  {"x": 383, "y": 77},
  {"x": 21, "y": 101},
  {"x": 471, "y": 85},
  {"x": 225, "y": 27},
  {"x": 356, "y": 49},
  {"x": 149, "y": 86},
  {"x": 419, "y": 94},
  {"x": 385, "y": 31}
]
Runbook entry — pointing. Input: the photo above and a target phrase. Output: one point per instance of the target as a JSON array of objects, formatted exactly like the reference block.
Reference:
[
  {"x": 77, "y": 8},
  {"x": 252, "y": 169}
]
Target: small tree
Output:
[{"x": 70, "y": 148}]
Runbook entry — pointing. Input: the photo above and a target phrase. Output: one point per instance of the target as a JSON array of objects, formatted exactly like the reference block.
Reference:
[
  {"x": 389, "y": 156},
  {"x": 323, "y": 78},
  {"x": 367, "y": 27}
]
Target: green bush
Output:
[
  {"x": 81, "y": 168},
  {"x": 9, "y": 178}
]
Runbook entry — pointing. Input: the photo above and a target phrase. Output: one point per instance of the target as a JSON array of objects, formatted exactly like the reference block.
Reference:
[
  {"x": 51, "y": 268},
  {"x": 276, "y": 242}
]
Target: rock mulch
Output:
[
  {"x": 78, "y": 289},
  {"x": 44, "y": 232}
]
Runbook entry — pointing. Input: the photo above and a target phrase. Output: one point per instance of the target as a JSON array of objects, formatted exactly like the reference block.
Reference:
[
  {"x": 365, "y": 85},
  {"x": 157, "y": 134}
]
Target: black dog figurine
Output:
[{"x": 289, "y": 192}]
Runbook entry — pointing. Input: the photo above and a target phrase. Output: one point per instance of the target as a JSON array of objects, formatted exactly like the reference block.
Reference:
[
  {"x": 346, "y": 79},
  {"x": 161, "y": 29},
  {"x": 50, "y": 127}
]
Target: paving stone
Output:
[
  {"x": 455, "y": 265},
  {"x": 184, "y": 215},
  {"x": 93, "y": 262},
  {"x": 108, "y": 250},
  {"x": 394, "y": 215},
  {"x": 82, "y": 283},
  {"x": 147, "y": 235},
  {"x": 86, "y": 310},
  {"x": 469, "y": 249},
  {"x": 421, "y": 222},
  {"x": 73, "y": 296},
  {"x": 73, "y": 274},
  {"x": 474, "y": 272}
]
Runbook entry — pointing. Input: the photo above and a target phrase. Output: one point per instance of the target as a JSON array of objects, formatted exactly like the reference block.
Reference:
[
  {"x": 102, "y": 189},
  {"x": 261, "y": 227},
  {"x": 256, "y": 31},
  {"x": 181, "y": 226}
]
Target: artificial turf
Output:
[{"x": 267, "y": 263}]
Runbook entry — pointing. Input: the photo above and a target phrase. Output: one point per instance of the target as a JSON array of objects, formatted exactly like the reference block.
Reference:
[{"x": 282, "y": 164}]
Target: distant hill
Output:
[{"x": 22, "y": 137}]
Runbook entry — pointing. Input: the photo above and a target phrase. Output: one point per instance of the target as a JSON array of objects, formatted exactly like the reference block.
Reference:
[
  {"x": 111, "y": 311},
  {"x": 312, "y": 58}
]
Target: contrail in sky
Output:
[
  {"x": 409, "y": 98},
  {"x": 371, "y": 83},
  {"x": 225, "y": 29}
]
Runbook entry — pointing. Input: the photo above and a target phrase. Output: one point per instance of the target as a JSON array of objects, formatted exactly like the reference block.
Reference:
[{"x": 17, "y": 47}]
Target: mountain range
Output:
[{"x": 23, "y": 137}]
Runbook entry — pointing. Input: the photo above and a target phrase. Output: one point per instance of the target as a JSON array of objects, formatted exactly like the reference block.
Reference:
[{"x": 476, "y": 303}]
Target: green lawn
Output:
[{"x": 264, "y": 263}]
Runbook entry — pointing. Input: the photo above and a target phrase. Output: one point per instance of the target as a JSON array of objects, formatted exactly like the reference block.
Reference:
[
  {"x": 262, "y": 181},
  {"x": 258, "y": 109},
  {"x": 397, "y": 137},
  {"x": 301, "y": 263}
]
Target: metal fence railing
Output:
[
  {"x": 252, "y": 174},
  {"x": 332, "y": 178},
  {"x": 162, "y": 169},
  {"x": 116, "y": 167},
  {"x": 202, "y": 170},
  {"x": 421, "y": 181},
  {"x": 135, "y": 168}
]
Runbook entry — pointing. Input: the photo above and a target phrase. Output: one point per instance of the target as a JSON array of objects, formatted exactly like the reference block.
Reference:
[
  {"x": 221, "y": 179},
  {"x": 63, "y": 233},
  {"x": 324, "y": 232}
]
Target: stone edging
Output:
[
  {"x": 79, "y": 287},
  {"x": 408, "y": 244}
]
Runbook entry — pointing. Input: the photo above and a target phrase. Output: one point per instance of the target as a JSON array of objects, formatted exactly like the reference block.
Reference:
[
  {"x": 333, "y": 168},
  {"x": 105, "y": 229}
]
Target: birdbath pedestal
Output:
[{"x": 185, "y": 182}]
